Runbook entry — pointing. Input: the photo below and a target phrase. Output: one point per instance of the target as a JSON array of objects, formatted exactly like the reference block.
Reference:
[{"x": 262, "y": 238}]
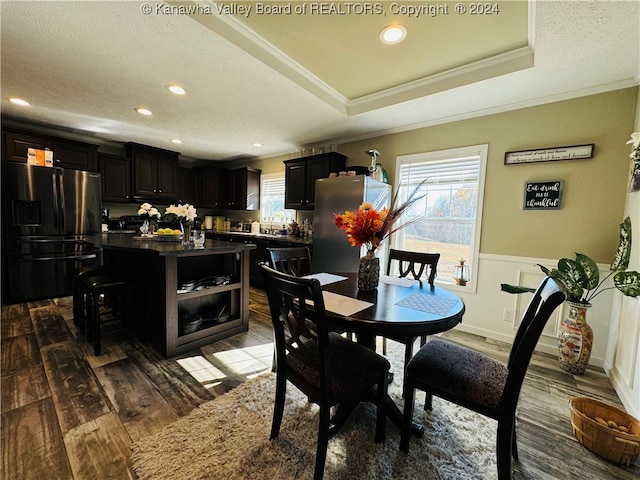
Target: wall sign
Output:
[
  {"x": 542, "y": 195},
  {"x": 549, "y": 154}
]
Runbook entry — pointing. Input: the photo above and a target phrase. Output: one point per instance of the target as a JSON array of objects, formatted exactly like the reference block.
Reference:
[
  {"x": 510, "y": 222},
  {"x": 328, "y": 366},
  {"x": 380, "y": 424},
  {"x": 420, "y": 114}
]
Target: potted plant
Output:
[{"x": 580, "y": 278}]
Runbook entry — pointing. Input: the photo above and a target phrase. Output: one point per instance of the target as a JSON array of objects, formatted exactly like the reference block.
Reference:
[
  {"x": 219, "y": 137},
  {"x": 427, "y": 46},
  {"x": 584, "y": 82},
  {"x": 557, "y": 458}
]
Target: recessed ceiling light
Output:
[
  {"x": 19, "y": 101},
  {"x": 176, "y": 140},
  {"x": 177, "y": 89},
  {"x": 144, "y": 111},
  {"x": 257, "y": 144},
  {"x": 393, "y": 34}
]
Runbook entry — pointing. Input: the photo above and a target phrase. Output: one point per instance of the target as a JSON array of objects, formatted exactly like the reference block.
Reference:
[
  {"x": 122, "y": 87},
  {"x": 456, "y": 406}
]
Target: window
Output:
[
  {"x": 272, "y": 199},
  {"x": 450, "y": 213}
]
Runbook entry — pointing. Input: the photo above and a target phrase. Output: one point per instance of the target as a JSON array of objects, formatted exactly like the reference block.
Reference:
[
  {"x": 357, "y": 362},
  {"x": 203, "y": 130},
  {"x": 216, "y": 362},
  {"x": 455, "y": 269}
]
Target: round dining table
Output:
[{"x": 399, "y": 309}]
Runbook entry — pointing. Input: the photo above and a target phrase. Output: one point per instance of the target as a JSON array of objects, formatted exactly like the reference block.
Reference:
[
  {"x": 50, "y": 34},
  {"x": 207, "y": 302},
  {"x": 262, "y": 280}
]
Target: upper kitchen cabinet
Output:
[
  {"x": 242, "y": 189},
  {"x": 155, "y": 172},
  {"x": 301, "y": 175},
  {"x": 208, "y": 185},
  {"x": 66, "y": 153},
  {"x": 115, "y": 173},
  {"x": 186, "y": 186}
]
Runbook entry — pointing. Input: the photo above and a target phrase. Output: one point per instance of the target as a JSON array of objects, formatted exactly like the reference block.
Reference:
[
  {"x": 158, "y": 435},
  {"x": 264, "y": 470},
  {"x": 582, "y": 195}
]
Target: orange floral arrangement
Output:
[{"x": 368, "y": 226}]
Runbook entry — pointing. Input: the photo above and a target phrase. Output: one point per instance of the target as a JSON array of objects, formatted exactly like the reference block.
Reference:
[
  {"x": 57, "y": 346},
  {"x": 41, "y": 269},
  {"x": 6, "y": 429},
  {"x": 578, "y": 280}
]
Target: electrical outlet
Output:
[{"x": 508, "y": 315}]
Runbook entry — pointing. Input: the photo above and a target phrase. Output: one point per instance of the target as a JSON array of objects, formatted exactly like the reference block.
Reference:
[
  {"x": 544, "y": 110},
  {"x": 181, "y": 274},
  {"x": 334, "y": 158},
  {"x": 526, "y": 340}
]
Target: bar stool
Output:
[
  {"x": 79, "y": 295},
  {"x": 112, "y": 290}
]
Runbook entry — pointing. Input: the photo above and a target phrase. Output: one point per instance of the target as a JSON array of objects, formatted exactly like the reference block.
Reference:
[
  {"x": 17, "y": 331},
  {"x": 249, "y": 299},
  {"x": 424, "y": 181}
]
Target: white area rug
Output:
[{"x": 228, "y": 438}]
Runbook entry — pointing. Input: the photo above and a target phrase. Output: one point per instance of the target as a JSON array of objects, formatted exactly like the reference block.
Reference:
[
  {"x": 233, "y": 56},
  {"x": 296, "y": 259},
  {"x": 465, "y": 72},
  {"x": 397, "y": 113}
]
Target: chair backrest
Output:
[
  {"x": 414, "y": 263},
  {"x": 292, "y": 260},
  {"x": 545, "y": 300},
  {"x": 294, "y": 302}
]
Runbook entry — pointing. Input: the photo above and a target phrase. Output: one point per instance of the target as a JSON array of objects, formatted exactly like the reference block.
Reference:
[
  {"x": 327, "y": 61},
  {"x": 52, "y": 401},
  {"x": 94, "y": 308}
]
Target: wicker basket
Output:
[{"x": 609, "y": 443}]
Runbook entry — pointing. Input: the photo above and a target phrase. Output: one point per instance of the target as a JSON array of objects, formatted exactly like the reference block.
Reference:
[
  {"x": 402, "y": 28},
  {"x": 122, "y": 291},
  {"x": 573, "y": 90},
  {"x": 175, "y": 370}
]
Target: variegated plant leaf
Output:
[
  {"x": 574, "y": 270},
  {"x": 505, "y": 287},
  {"x": 572, "y": 289},
  {"x": 621, "y": 258},
  {"x": 628, "y": 283},
  {"x": 590, "y": 270}
]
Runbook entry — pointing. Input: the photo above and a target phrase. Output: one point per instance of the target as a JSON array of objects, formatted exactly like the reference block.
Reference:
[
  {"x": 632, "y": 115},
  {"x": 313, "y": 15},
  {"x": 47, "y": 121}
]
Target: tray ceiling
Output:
[{"x": 295, "y": 81}]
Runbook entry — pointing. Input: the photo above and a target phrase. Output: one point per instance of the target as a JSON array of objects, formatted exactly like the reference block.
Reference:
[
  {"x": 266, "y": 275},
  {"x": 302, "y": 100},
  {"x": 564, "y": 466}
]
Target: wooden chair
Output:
[
  {"x": 292, "y": 260},
  {"x": 325, "y": 366},
  {"x": 417, "y": 264},
  {"x": 477, "y": 381}
]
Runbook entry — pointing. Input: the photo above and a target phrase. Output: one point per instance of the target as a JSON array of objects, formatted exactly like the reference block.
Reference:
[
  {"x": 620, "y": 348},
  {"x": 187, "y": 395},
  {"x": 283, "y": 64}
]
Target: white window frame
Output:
[
  {"x": 480, "y": 151},
  {"x": 266, "y": 177}
]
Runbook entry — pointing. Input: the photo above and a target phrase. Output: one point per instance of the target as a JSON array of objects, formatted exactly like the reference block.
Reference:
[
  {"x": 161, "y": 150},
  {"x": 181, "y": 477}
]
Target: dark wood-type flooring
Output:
[{"x": 69, "y": 415}]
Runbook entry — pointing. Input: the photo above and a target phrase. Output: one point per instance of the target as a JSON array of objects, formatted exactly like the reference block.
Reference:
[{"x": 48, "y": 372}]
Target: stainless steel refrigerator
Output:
[
  {"x": 331, "y": 250},
  {"x": 48, "y": 214}
]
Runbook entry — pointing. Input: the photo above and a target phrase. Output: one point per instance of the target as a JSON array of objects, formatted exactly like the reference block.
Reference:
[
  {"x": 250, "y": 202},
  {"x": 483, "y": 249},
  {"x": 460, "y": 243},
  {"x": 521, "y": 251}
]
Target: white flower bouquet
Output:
[
  {"x": 184, "y": 214},
  {"x": 149, "y": 212}
]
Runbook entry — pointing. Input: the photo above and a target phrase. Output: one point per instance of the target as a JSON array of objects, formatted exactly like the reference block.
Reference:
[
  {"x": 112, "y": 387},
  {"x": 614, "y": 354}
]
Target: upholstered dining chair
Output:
[
  {"x": 325, "y": 366},
  {"x": 418, "y": 264},
  {"x": 292, "y": 260},
  {"x": 478, "y": 382}
]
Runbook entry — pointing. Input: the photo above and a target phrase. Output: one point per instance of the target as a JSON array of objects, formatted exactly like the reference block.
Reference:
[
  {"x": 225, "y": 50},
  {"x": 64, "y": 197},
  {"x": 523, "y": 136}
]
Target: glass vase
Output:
[
  {"x": 369, "y": 271},
  {"x": 186, "y": 234},
  {"x": 144, "y": 228},
  {"x": 575, "y": 340}
]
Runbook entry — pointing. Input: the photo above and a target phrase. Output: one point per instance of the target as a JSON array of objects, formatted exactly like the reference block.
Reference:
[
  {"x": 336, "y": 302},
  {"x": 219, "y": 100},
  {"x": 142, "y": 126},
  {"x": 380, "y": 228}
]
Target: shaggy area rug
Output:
[{"x": 228, "y": 438}]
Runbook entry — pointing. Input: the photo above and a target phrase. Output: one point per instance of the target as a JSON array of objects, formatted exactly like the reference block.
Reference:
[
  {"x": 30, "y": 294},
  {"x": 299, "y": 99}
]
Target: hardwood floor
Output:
[{"x": 69, "y": 415}]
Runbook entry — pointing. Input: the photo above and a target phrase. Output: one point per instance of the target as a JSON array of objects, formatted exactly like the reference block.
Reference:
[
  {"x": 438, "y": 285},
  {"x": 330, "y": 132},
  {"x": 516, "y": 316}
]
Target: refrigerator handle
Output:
[
  {"x": 56, "y": 196},
  {"x": 63, "y": 220}
]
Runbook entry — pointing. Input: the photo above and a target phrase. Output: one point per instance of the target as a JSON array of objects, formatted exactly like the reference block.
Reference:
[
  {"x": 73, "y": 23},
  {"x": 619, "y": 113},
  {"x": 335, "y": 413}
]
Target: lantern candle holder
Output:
[{"x": 461, "y": 273}]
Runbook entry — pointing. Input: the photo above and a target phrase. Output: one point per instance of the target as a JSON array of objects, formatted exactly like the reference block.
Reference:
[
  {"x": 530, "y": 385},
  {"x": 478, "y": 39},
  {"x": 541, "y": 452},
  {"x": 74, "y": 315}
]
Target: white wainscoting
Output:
[
  {"x": 615, "y": 319},
  {"x": 622, "y": 363},
  {"x": 485, "y": 313}
]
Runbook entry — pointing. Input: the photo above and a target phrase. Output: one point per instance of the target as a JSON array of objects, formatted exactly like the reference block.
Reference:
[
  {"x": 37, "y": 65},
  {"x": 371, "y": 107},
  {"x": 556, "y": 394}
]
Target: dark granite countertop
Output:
[
  {"x": 127, "y": 241},
  {"x": 265, "y": 236}
]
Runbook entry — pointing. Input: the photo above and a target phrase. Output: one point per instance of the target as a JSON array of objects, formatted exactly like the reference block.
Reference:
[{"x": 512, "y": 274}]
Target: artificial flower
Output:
[
  {"x": 148, "y": 212},
  {"x": 185, "y": 214},
  {"x": 635, "y": 141},
  {"x": 369, "y": 227}
]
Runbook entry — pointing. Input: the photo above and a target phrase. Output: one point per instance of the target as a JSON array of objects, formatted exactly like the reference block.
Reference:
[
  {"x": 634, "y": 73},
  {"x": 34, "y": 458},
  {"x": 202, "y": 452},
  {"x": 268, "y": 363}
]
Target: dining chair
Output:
[
  {"x": 417, "y": 264},
  {"x": 478, "y": 382},
  {"x": 325, "y": 366},
  {"x": 292, "y": 260}
]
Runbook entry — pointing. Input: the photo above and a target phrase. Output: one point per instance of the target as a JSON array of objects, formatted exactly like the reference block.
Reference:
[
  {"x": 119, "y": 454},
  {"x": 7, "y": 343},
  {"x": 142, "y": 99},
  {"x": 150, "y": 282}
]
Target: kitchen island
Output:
[{"x": 181, "y": 297}]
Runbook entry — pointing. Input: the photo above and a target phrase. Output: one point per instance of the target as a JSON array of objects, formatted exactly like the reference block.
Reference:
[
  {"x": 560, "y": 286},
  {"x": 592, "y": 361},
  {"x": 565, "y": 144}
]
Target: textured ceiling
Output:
[{"x": 293, "y": 81}]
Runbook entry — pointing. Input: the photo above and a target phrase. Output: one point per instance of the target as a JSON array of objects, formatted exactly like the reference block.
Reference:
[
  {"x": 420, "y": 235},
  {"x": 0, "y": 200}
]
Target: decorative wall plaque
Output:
[
  {"x": 574, "y": 152},
  {"x": 543, "y": 195}
]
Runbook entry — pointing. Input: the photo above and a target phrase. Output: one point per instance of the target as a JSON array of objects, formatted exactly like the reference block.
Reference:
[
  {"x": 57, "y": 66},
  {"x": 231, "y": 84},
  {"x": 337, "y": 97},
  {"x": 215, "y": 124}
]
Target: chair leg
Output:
[
  {"x": 407, "y": 417},
  {"x": 278, "y": 406},
  {"x": 514, "y": 442},
  {"x": 428, "y": 401},
  {"x": 381, "y": 417},
  {"x": 503, "y": 448},
  {"x": 384, "y": 345},
  {"x": 323, "y": 442},
  {"x": 94, "y": 319}
]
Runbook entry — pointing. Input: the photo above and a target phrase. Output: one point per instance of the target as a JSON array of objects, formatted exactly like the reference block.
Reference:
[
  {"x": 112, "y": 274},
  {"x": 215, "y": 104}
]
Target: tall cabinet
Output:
[
  {"x": 155, "y": 172},
  {"x": 301, "y": 175}
]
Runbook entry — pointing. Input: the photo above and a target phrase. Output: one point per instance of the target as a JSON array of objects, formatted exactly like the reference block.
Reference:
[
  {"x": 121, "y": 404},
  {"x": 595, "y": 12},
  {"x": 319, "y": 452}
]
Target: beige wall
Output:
[{"x": 594, "y": 189}]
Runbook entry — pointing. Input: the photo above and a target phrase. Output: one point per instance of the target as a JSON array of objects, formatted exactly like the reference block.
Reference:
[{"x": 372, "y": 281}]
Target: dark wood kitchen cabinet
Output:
[
  {"x": 115, "y": 175},
  {"x": 186, "y": 186},
  {"x": 66, "y": 153},
  {"x": 208, "y": 185},
  {"x": 242, "y": 189},
  {"x": 155, "y": 172},
  {"x": 301, "y": 175}
]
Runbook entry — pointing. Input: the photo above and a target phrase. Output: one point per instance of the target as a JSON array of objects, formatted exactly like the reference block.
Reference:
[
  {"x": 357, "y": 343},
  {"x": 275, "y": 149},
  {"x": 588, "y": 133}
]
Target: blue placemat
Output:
[{"x": 427, "y": 303}]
